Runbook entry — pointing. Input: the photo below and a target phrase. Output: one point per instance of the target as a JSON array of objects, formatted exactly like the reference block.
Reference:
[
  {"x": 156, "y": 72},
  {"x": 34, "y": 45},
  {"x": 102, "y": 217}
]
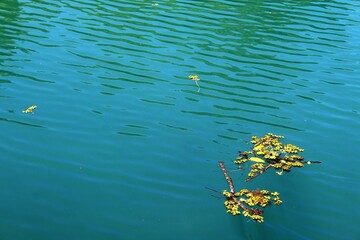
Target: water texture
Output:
[{"x": 123, "y": 144}]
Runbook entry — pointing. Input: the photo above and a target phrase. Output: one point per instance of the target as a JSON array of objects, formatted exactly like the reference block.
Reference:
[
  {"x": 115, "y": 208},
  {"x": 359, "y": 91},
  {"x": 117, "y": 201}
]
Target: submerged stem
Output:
[{"x": 196, "y": 82}]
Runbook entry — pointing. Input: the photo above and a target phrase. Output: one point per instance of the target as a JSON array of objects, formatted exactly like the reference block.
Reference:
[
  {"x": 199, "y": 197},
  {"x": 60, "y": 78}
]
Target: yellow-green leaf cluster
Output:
[
  {"x": 269, "y": 149},
  {"x": 260, "y": 198},
  {"x": 252, "y": 199},
  {"x": 267, "y": 152}
]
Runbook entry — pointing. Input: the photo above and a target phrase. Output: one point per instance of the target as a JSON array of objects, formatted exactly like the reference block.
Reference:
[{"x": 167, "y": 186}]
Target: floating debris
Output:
[
  {"x": 247, "y": 202},
  {"x": 196, "y": 79},
  {"x": 267, "y": 151},
  {"x": 30, "y": 109}
]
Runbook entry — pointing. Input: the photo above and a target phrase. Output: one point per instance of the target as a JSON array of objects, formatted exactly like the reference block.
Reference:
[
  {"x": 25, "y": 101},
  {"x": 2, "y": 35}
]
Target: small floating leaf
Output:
[
  {"x": 30, "y": 109},
  {"x": 196, "y": 79},
  {"x": 256, "y": 159}
]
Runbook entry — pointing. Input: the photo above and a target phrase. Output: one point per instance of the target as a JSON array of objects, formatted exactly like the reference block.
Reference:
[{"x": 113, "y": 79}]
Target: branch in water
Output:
[
  {"x": 232, "y": 196},
  {"x": 227, "y": 177},
  {"x": 259, "y": 172}
]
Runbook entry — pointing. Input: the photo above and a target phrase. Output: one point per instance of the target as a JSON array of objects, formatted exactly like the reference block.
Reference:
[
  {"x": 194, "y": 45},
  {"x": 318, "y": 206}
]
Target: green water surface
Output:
[{"x": 123, "y": 145}]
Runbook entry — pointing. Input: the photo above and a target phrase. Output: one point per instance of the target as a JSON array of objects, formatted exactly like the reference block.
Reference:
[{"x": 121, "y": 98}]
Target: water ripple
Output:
[{"x": 123, "y": 137}]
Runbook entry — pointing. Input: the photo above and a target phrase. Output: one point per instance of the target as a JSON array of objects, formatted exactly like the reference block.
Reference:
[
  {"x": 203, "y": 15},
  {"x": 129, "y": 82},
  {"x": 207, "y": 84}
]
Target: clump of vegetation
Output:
[{"x": 267, "y": 151}]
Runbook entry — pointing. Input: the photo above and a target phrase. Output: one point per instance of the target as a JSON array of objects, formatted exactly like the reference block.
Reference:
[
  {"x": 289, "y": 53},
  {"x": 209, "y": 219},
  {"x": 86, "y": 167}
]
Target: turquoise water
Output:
[{"x": 123, "y": 145}]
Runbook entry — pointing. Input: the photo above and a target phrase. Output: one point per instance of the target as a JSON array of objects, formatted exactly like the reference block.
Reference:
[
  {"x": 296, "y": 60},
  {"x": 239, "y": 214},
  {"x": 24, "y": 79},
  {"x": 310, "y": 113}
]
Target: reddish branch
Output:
[
  {"x": 239, "y": 203},
  {"x": 231, "y": 186},
  {"x": 228, "y": 179},
  {"x": 259, "y": 172}
]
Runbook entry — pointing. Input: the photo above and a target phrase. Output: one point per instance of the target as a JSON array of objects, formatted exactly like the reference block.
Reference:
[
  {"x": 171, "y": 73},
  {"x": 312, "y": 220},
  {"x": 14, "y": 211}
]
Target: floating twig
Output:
[{"x": 227, "y": 177}]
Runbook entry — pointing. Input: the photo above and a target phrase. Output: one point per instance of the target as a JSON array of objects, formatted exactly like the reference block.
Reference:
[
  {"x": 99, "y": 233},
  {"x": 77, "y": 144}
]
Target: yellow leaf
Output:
[
  {"x": 258, "y": 147},
  {"x": 30, "y": 109},
  {"x": 256, "y": 159},
  {"x": 194, "y": 77}
]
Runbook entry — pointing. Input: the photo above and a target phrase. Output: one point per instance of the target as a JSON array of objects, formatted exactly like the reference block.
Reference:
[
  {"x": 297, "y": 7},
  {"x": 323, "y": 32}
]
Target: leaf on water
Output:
[
  {"x": 30, "y": 109},
  {"x": 256, "y": 159}
]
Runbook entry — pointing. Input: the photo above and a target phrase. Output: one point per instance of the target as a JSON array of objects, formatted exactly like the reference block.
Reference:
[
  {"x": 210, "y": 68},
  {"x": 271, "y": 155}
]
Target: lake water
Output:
[{"x": 124, "y": 146}]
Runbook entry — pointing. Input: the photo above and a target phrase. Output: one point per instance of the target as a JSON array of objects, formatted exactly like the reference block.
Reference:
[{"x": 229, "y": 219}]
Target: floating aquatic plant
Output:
[
  {"x": 267, "y": 151},
  {"x": 196, "y": 79},
  {"x": 30, "y": 109},
  {"x": 249, "y": 203}
]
